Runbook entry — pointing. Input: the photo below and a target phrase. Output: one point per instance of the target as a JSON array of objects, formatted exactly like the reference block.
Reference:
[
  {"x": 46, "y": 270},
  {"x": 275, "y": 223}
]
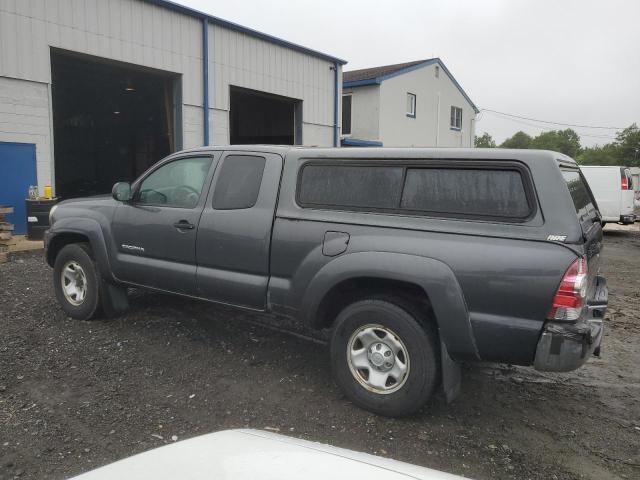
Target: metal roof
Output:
[{"x": 239, "y": 28}]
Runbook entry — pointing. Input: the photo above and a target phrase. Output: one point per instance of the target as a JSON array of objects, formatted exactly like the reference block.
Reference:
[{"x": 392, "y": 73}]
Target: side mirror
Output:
[{"x": 121, "y": 191}]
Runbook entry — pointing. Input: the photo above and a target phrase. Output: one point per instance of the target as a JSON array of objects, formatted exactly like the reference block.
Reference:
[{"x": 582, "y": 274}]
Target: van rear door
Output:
[
  {"x": 589, "y": 218},
  {"x": 604, "y": 183},
  {"x": 627, "y": 197}
]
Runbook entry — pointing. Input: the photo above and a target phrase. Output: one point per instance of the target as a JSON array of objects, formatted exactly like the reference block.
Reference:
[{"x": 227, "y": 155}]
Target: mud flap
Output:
[
  {"x": 451, "y": 375},
  {"x": 114, "y": 299}
]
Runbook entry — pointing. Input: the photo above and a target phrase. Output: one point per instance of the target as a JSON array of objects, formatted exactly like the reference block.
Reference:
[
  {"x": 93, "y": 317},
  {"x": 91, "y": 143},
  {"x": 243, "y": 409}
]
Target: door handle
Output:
[{"x": 184, "y": 225}]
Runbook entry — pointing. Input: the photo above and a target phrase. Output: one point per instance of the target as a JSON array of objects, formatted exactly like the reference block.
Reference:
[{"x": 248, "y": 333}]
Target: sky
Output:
[{"x": 567, "y": 61}]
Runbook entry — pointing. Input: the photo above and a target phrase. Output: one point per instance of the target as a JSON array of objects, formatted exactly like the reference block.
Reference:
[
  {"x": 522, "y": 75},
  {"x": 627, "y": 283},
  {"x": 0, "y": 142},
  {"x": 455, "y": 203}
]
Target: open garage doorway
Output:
[
  {"x": 111, "y": 121},
  {"x": 262, "y": 118}
]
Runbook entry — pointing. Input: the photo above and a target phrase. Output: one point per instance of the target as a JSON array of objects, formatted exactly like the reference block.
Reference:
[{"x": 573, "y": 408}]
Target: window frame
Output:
[
  {"x": 414, "y": 104},
  {"x": 136, "y": 188},
  {"x": 456, "y": 118},
  {"x": 343, "y": 133},
  {"x": 455, "y": 164}
]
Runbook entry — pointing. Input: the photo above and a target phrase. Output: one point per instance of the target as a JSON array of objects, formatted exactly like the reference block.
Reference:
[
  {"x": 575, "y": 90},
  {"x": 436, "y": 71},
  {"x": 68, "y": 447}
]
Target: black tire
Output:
[
  {"x": 89, "y": 306},
  {"x": 420, "y": 339}
]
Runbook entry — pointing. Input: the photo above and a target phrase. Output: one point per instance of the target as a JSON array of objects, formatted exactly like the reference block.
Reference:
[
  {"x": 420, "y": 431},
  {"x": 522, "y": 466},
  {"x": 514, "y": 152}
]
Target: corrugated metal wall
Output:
[
  {"x": 237, "y": 59},
  {"x": 125, "y": 30},
  {"x": 138, "y": 32}
]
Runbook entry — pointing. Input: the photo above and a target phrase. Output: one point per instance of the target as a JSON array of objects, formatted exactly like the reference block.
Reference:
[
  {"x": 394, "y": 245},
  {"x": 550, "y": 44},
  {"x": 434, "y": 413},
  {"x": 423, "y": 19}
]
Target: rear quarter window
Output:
[
  {"x": 484, "y": 192},
  {"x": 577, "y": 185},
  {"x": 351, "y": 186},
  {"x": 493, "y": 193},
  {"x": 238, "y": 184}
]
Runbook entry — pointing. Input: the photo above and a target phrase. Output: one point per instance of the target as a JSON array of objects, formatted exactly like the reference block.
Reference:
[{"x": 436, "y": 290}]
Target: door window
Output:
[
  {"x": 176, "y": 184},
  {"x": 239, "y": 182}
]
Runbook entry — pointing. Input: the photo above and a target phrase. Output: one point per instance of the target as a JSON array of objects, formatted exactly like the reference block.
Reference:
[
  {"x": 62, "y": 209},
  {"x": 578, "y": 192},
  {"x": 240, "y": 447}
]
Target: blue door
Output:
[{"x": 17, "y": 172}]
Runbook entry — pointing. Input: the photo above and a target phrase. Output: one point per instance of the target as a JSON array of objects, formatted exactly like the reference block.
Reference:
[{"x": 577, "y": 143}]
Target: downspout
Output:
[
  {"x": 472, "y": 128},
  {"x": 205, "y": 79},
  {"x": 438, "y": 122},
  {"x": 335, "y": 104}
]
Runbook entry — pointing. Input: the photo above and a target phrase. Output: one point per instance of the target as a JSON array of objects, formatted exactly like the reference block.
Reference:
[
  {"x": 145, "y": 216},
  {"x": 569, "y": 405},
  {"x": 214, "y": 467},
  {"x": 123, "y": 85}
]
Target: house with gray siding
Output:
[{"x": 413, "y": 104}]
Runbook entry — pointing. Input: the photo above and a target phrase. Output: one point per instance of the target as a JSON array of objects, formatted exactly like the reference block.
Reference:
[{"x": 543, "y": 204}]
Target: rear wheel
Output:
[
  {"x": 76, "y": 282},
  {"x": 383, "y": 358}
]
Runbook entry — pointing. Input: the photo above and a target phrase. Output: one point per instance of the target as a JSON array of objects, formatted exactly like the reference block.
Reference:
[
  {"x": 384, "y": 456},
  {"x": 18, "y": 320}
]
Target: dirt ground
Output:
[{"x": 77, "y": 395}]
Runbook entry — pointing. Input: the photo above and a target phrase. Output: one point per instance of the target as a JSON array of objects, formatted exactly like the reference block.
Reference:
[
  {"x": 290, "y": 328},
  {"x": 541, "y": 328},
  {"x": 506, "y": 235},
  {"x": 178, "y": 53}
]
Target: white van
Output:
[{"x": 612, "y": 188}]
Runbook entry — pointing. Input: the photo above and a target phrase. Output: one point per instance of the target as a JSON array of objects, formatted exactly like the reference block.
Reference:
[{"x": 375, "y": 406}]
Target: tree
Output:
[
  {"x": 484, "y": 141},
  {"x": 519, "y": 140},
  {"x": 628, "y": 146},
  {"x": 625, "y": 150},
  {"x": 563, "y": 141},
  {"x": 599, "y": 155}
]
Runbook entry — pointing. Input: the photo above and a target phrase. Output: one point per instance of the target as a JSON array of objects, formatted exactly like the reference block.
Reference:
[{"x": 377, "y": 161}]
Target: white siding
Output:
[
  {"x": 24, "y": 118},
  {"x": 434, "y": 99},
  {"x": 365, "y": 112}
]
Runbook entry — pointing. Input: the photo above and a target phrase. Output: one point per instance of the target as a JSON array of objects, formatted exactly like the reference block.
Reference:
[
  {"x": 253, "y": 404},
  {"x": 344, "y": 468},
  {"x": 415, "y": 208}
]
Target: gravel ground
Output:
[{"x": 77, "y": 395}]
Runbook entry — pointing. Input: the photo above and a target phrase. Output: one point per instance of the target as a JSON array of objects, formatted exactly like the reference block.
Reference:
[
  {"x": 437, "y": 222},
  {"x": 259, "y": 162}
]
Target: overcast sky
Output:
[{"x": 570, "y": 61}]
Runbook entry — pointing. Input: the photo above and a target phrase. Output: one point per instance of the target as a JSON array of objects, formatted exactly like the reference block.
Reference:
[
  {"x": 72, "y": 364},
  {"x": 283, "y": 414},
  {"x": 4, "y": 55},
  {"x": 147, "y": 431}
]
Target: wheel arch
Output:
[
  {"x": 428, "y": 280},
  {"x": 86, "y": 230}
]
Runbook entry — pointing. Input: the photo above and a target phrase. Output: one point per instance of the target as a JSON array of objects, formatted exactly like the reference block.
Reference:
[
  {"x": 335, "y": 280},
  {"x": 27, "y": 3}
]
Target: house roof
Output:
[
  {"x": 376, "y": 75},
  {"x": 176, "y": 7},
  {"x": 374, "y": 72}
]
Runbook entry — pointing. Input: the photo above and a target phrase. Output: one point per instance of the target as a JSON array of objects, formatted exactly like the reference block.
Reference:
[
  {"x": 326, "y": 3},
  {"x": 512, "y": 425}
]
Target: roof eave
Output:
[
  {"x": 248, "y": 31},
  {"x": 426, "y": 63},
  {"x": 361, "y": 83}
]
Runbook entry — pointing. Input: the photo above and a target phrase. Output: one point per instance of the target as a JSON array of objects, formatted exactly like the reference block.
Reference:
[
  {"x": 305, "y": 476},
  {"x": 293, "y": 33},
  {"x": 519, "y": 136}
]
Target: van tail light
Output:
[
  {"x": 624, "y": 182},
  {"x": 570, "y": 296}
]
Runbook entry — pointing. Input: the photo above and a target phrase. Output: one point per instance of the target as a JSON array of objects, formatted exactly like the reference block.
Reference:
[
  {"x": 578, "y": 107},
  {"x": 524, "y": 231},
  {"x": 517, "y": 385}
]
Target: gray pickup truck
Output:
[{"x": 414, "y": 259}]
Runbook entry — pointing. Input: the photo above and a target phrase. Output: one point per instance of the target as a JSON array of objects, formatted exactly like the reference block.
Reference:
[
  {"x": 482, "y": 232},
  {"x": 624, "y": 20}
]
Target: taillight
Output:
[
  {"x": 569, "y": 298},
  {"x": 624, "y": 181}
]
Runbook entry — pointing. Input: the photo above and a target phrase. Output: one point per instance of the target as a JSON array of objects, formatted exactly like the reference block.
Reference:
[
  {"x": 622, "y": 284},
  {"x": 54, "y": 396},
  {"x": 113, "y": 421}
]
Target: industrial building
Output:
[{"x": 96, "y": 91}]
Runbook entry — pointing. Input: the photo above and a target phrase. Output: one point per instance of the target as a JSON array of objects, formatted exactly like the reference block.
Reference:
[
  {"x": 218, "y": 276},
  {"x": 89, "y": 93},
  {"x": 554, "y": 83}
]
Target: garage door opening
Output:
[
  {"x": 111, "y": 121},
  {"x": 261, "y": 118}
]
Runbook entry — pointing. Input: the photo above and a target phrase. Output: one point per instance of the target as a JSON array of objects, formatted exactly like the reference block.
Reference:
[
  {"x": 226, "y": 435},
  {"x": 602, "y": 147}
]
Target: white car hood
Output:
[{"x": 253, "y": 454}]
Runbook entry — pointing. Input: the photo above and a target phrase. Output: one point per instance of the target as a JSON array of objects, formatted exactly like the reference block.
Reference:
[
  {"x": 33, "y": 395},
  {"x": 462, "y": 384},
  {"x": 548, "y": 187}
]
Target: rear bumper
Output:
[{"x": 566, "y": 346}]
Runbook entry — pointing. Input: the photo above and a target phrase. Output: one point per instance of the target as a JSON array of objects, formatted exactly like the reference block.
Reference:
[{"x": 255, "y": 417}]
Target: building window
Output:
[
  {"x": 411, "y": 105},
  {"x": 456, "y": 118},
  {"x": 437, "y": 71},
  {"x": 346, "y": 114}
]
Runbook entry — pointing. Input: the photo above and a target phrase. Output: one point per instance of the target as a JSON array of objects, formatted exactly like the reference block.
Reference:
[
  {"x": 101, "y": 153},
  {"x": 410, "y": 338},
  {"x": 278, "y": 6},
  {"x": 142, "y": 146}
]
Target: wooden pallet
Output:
[
  {"x": 5, "y": 210},
  {"x": 6, "y": 233}
]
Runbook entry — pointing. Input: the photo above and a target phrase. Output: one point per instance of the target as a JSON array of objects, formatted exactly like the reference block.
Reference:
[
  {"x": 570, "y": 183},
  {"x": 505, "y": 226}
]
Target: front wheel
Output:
[
  {"x": 383, "y": 358},
  {"x": 76, "y": 282}
]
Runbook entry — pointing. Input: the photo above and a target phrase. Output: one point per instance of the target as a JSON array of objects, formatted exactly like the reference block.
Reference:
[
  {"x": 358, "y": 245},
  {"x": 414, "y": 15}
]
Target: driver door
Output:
[{"x": 155, "y": 233}]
